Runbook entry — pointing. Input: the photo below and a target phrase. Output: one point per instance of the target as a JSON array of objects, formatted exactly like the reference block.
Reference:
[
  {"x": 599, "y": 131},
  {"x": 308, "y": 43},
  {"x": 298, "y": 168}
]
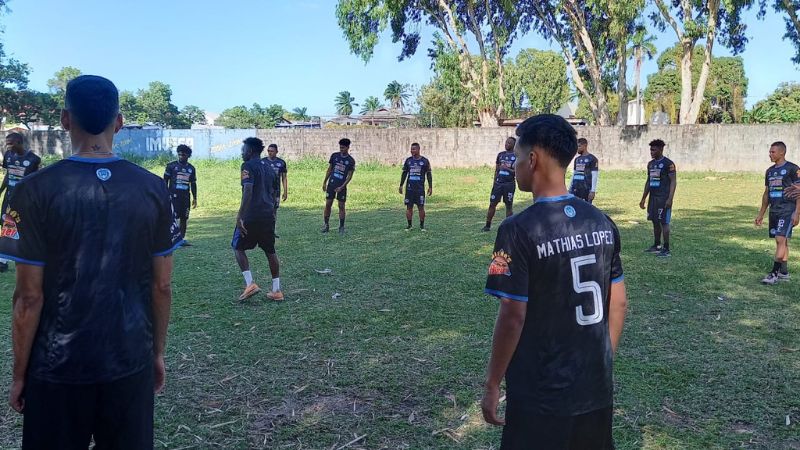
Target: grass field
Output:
[{"x": 709, "y": 357}]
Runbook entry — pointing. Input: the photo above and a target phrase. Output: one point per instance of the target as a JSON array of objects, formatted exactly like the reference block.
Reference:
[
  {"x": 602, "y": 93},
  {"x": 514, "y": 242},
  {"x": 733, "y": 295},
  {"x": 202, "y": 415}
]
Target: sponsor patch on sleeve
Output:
[
  {"x": 9, "y": 227},
  {"x": 501, "y": 264}
]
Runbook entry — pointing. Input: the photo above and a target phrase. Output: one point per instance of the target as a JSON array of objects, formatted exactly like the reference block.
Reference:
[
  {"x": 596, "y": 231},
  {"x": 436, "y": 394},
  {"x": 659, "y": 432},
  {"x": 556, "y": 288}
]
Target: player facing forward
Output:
[
  {"x": 783, "y": 211},
  {"x": 416, "y": 169},
  {"x": 556, "y": 351},
  {"x": 18, "y": 164},
  {"x": 279, "y": 169},
  {"x": 181, "y": 178},
  {"x": 503, "y": 187},
  {"x": 585, "y": 173},
  {"x": 255, "y": 222},
  {"x": 340, "y": 171},
  {"x": 660, "y": 186}
]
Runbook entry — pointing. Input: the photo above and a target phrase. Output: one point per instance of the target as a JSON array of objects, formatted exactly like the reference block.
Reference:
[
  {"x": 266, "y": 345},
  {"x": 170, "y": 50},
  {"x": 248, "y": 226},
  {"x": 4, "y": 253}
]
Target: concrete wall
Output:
[{"x": 694, "y": 147}]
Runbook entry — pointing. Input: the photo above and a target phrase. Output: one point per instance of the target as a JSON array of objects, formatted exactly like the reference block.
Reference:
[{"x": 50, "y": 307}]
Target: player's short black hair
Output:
[
  {"x": 780, "y": 145},
  {"x": 512, "y": 138},
  {"x": 16, "y": 137},
  {"x": 551, "y": 133},
  {"x": 275, "y": 146},
  {"x": 658, "y": 143},
  {"x": 415, "y": 144},
  {"x": 255, "y": 144},
  {"x": 93, "y": 102},
  {"x": 582, "y": 141},
  {"x": 345, "y": 142},
  {"x": 183, "y": 148}
]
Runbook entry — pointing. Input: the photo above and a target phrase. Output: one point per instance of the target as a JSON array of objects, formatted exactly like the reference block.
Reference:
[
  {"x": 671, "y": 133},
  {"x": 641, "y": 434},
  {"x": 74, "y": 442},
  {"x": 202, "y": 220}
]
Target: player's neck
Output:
[
  {"x": 21, "y": 152},
  {"x": 89, "y": 146},
  {"x": 551, "y": 184},
  {"x": 780, "y": 162}
]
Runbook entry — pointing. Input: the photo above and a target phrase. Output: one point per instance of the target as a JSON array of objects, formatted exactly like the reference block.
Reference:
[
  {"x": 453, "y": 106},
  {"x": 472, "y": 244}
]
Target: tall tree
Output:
[
  {"x": 537, "y": 79},
  {"x": 371, "y": 104},
  {"x": 192, "y": 114},
  {"x": 445, "y": 101},
  {"x": 130, "y": 109},
  {"x": 693, "y": 20},
  {"x": 493, "y": 24},
  {"x": 26, "y": 107},
  {"x": 782, "y": 106},
  {"x": 256, "y": 116},
  {"x": 397, "y": 95},
  {"x": 300, "y": 114},
  {"x": 344, "y": 103},
  {"x": 792, "y": 19},
  {"x": 156, "y": 103},
  {"x": 58, "y": 84},
  {"x": 642, "y": 45}
]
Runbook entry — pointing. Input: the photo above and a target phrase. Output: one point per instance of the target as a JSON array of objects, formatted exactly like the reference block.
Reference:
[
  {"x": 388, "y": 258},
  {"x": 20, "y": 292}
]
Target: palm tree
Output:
[
  {"x": 371, "y": 104},
  {"x": 396, "y": 94},
  {"x": 641, "y": 46},
  {"x": 344, "y": 103},
  {"x": 300, "y": 114}
]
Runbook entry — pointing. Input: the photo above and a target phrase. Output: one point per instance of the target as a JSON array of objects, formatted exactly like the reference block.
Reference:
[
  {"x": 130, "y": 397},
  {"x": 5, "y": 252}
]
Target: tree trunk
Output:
[
  {"x": 638, "y": 74},
  {"x": 687, "y": 47},
  {"x": 488, "y": 118},
  {"x": 622, "y": 87},
  {"x": 699, "y": 93}
]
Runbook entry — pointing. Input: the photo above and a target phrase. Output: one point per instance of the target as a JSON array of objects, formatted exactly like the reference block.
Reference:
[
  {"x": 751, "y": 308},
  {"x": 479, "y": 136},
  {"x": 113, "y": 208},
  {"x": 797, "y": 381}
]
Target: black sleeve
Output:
[
  {"x": 23, "y": 234},
  {"x": 193, "y": 175},
  {"x": 616, "y": 262},
  {"x": 167, "y": 229},
  {"x": 508, "y": 272}
]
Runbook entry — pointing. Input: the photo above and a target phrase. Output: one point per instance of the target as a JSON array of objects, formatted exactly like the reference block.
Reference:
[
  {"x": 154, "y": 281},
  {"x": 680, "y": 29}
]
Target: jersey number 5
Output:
[{"x": 586, "y": 286}]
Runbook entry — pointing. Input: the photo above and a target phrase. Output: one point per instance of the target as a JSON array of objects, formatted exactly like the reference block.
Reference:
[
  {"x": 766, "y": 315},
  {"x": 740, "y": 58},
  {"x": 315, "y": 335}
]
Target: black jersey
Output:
[
  {"x": 776, "y": 180},
  {"x": 658, "y": 172},
  {"x": 342, "y": 165},
  {"x": 505, "y": 167},
  {"x": 417, "y": 169},
  {"x": 95, "y": 225},
  {"x": 561, "y": 256},
  {"x": 18, "y": 167},
  {"x": 582, "y": 172},
  {"x": 278, "y": 167},
  {"x": 180, "y": 178},
  {"x": 262, "y": 204}
]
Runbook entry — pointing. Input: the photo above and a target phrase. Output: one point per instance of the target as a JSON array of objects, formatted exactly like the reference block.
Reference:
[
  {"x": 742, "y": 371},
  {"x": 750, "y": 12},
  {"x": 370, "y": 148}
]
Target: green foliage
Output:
[
  {"x": 193, "y": 115},
  {"x": 397, "y": 94},
  {"x": 370, "y": 105},
  {"x": 154, "y": 105},
  {"x": 58, "y": 84},
  {"x": 130, "y": 108},
  {"x": 27, "y": 107},
  {"x": 537, "y": 81},
  {"x": 300, "y": 114},
  {"x": 792, "y": 34},
  {"x": 344, "y": 103},
  {"x": 254, "y": 117},
  {"x": 782, "y": 106}
]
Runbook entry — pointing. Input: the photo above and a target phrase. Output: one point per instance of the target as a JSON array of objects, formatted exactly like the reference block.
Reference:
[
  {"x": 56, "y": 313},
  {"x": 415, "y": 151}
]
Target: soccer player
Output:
[
  {"x": 255, "y": 222},
  {"x": 660, "y": 185},
  {"x": 181, "y": 178},
  {"x": 556, "y": 351},
  {"x": 783, "y": 211},
  {"x": 279, "y": 168},
  {"x": 92, "y": 236},
  {"x": 504, "y": 186},
  {"x": 585, "y": 173},
  {"x": 18, "y": 164},
  {"x": 341, "y": 167},
  {"x": 416, "y": 169}
]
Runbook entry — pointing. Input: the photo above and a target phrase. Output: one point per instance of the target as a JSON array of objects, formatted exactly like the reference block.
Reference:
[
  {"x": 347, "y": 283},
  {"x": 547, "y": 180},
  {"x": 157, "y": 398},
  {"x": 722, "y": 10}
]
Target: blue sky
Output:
[{"x": 221, "y": 54}]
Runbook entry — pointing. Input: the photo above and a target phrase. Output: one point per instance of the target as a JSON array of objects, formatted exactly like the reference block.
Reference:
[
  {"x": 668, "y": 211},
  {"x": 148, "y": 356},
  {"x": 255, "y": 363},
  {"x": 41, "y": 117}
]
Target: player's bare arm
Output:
[
  {"x": 764, "y": 205},
  {"x": 247, "y": 196},
  {"x": 403, "y": 179},
  {"x": 507, "y": 330},
  {"x": 617, "y": 309},
  {"x": 429, "y": 176},
  {"x": 327, "y": 176},
  {"x": 162, "y": 302},
  {"x": 796, "y": 215},
  {"x": 28, "y": 300},
  {"x": 673, "y": 184},
  {"x": 284, "y": 180},
  {"x": 346, "y": 182},
  {"x": 194, "y": 194},
  {"x": 646, "y": 192}
]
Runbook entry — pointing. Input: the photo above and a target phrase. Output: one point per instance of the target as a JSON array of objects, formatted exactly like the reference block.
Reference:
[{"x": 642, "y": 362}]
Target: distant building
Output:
[
  {"x": 344, "y": 120},
  {"x": 387, "y": 118},
  {"x": 286, "y": 123}
]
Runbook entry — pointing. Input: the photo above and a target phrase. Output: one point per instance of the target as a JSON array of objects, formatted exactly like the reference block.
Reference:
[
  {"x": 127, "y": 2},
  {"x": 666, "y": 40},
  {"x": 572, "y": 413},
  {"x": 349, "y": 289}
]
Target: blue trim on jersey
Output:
[
  {"x": 554, "y": 199},
  {"x": 22, "y": 260},
  {"x": 170, "y": 251},
  {"x": 94, "y": 160},
  {"x": 502, "y": 294},
  {"x": 618, "y": 279}
]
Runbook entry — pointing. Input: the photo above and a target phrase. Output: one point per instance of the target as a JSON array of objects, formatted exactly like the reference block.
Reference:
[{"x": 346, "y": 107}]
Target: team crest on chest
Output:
[
  {"x": 501, "y": 264},
  {"x": 103, "y": 174}
]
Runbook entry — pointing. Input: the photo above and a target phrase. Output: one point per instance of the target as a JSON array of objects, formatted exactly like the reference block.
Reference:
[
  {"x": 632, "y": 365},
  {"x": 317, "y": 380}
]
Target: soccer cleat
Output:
[
  {"x": 325, "y": 229},
  {"x": 341, "y": 230},
  {"x": 275, "y": 296},
  {"x": 407, "y": 229},
  {"x": 770, "y": 279},
  {"x": 250, "y": 291},
  {"x": 277, "y": 237},
  {"x": 664, "y": 253},
  {"x": 423, "y": 229},
  {"x": 783, "y": 276},
  {"x": 486, "y": 228},
  {"x": 3, "y": 267},
  {"x": 653, "y": 249}
]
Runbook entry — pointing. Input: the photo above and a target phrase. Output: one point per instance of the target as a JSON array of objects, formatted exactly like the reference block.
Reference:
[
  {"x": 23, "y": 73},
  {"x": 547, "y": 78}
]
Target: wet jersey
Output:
[
  {"x": 658, "y": 172},
  {"x": 180, "y": 178},
  {"x": 262, "y": 203},
  {"x": 278, "y": 167},
  {"x": 417, "y": 170},
  {"x": 95, "y": 225},
  {"x": 777, "y": 179},
  {"x": 560, "y": 256},
  {"x": 341, "y": 166},
  {"x": 505, "y": 167},
  {"x": 18, "y": 167},
  {"x": 582, "y": 172}
]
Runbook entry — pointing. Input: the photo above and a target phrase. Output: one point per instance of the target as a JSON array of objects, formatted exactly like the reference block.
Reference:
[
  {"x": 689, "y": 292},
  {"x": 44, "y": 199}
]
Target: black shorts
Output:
[
  {"x": 260, "y": 233},
  {"x": 182, "y": 206},
  {"x": 503, "y": 191},
  {"x": 276, "y": 200},
  {"x": 657, "y": 211},
  {"x": 525, "y": 431},
  {"x": 414, "y": 197},
  {"x": 330, "y": 193},
  {"x": 780, "y": 224},
  {"x": 119, "y": 414}
]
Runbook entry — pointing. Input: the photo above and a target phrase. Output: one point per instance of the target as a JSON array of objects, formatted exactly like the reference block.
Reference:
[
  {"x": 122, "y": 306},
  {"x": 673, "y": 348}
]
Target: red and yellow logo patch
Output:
[
  {"x": 9, "y": 228},
  {"x": 501, "y": 264}
]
